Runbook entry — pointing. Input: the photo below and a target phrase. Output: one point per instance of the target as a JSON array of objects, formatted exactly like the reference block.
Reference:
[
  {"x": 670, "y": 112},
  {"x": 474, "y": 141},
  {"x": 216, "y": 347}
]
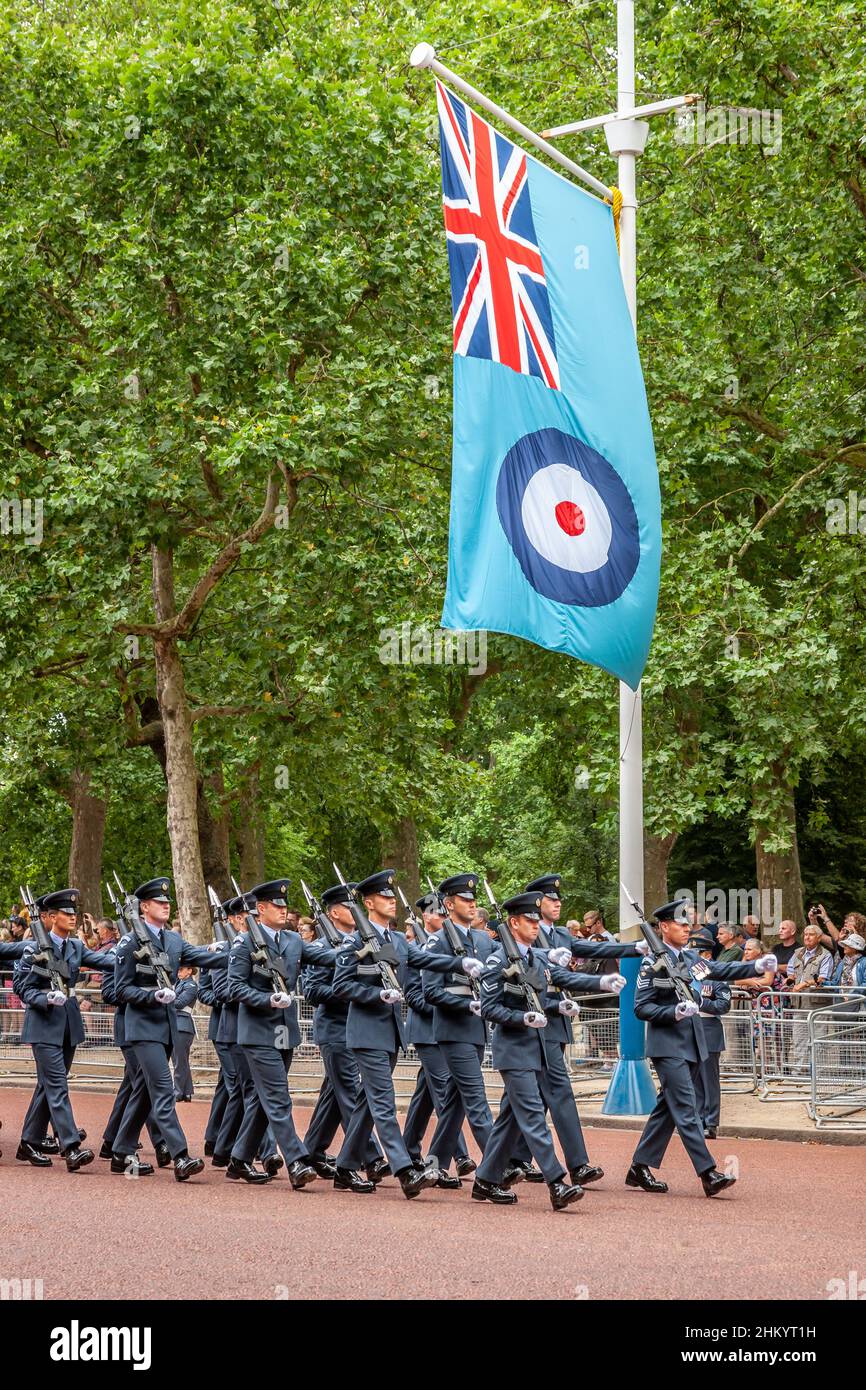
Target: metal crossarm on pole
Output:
[{"x": 424, "y": 56}]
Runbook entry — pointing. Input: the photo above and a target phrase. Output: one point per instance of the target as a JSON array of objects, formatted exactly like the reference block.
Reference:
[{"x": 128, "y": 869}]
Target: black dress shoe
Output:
[
  {"x": 187, "y": 1167},
  {"x": 512, "y": 1175},
  {"x": 221, "y": 1160},
  {"x": 562, "y": 1194},
  {"x": 491, "y": 1192},
  {"x": 78, "y": 1158},
  {"x": 531, "y": 1173},
  {"x": 131, "y": 1165},
  {"x": 163, "y": 1157},
  {"x": 715, "y": 1182},
  {"x": 208, "y": 1148},
  {"x": 237, "y": 1169},
  {"x": 324, "y": 1166},
  {"x": 449, "y": 1183},
  {"x": 586, "y": 1173},
  {"x": 346, "y": 1180},
  {"x": 272, "y": 1164},
  {"x": 301, "y": 1173},
  {"x": 378, "y": 1170},
  {"x": 710, "y": 1132},
  {"x": 639, "y": 1175},
  {"x": 414, "y": 1180},
  {"x": 49, "y": 1145},
  {"x": 465, "y": 1166},
  {"x": 106, "y": 1151},
  {"x": 28, "y": 1153}
]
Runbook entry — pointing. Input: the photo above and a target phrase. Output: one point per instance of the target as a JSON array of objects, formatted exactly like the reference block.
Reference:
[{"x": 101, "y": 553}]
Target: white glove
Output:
[
  {"x": 533, "y": 1020},
  {"x": 390, "y": 996},
  {"x": 472, "y": 966},
  {"x": 475, "y": 1007},
  {"x": 768, "y": 962},
  {"x": 165, "y": 996},
  {"x": 684, "y": 1010},
  {"x": 56, "y": 997},
  {"x": 612, "y": 984},
  {"x": 560, "y": 955},
  {"x": 281, "y": 1000},
  {"x": 569, "y": 1007},
  {"x": 642, "y": 947},
  {"x": 218, "y": 945}
]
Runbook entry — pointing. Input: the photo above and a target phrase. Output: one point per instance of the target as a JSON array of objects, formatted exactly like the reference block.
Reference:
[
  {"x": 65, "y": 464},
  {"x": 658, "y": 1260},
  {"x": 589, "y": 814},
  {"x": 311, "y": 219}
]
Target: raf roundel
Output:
[{"x": 569, "y": 519}]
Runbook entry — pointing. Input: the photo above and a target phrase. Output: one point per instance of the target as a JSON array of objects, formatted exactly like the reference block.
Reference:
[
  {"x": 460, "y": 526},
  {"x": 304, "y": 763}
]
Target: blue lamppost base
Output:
[{"x": 631, "y": 1090}]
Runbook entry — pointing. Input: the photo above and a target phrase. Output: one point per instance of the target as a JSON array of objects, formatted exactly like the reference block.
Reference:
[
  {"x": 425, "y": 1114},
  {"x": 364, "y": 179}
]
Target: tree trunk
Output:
[
  {"x": 249, "y": 830},
  {"x": 88, "y": 836},
  {"x": 779, "y": 883},
  {"x": 180, "y": 768},
  {"x": 213, "y": 832},
  {"x": 657, "y": 852},
  {"x": 400, "y": 852}
]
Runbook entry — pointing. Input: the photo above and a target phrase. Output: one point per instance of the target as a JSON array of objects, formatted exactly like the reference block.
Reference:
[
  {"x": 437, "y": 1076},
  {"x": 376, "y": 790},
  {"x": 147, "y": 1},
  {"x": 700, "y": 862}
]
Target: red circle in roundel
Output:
[{"x": 570, "y": 518}]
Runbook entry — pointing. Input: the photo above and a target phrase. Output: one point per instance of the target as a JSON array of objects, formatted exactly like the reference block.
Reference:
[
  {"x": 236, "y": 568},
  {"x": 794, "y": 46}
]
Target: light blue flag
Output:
[{"x": 555, "y": 512}]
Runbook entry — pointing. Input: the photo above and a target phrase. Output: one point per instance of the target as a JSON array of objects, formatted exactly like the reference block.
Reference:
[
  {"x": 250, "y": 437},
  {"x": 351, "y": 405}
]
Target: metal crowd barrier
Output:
[
  {"x": 837, "y": 1038},
  {"x": 783, "y": 1031}
]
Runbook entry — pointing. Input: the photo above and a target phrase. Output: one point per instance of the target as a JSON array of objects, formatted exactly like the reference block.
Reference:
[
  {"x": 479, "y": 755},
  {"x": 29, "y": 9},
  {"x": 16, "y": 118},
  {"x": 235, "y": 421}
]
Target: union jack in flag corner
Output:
[
  {"x": 498, "y": 290},
  {"x": 555, "y": 530}
]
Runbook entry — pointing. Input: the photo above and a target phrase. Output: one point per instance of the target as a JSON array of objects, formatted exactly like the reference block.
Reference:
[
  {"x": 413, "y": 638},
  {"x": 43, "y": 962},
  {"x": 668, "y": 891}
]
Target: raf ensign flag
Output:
[{"x": 555, "y": 515}]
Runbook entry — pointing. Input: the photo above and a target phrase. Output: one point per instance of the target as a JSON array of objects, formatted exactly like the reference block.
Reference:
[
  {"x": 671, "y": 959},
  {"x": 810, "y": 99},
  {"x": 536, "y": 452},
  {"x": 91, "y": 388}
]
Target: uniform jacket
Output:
[
  {"x": 43, "y": 1022},
  {"x": 250, "y": 987},
  {"x": 12, "y": 950},
  {"x": 558, "y": 1028},
  {"x": 187, "y": 994},
  {"x": 332, "y": 1010},
  {"x": 145, "y": 1019},
  {"x": 515, "y": 1047},
  {"x": 715, "y": 1001},
  {"x": 371, "y": 1023},
  {"x": 208, "y": 996},
  {"x": 451, "y": 994},
  {"x": 656, "y": 1001}
]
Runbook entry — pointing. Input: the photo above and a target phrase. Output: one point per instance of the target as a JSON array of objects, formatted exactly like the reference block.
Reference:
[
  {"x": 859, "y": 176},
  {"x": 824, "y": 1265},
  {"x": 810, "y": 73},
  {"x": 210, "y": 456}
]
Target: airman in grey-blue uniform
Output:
[
  {"x": 675, "y": 1043},
  {"x": 715, "y": 1003},
  {"x": 53, "y": 1027},
  {"x": 375, "y": 1032},
  {"x": 519, "y": 1055},
  {"x": 150, "y": 1025}
]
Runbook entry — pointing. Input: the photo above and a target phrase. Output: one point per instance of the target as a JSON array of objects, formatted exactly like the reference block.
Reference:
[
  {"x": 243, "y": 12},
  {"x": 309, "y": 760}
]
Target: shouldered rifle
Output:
[
  {"x": 419, "y": 931},
  {"x": 516, "y": 969},
  {"x": 677, "y": 971},
  {"x": 452, "y": 935},
  {"x": 119, "y": 920},
  {"x": 53, "y": 968},
  {"x": 262, "y": 952},
  {"x": 222, "y": 927},
  {"x": 384, "y": 956},
  {"x": 325, "y": 929},
  {"x": 152, "y": 961}
]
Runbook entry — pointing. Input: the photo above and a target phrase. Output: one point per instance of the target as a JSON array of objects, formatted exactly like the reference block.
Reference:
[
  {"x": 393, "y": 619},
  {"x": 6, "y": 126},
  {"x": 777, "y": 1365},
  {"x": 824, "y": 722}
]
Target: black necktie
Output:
[
  {"x": 529, "y": 959},
  {"x": 161, "y": 938},
  {"x": 387, "y": 935}
]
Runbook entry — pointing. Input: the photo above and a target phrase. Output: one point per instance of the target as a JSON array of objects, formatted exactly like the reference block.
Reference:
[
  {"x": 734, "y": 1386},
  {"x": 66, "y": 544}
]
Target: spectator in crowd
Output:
[
  {"x": 809, "y": 970},
  {"x": 307, "y": 929},
  {"x": 727, "y": 939},
  {"x": 107, "y": 932},
  {"x": 787, "y": 944},
  {"x": 19, "y": 925},
  {"x": 573, "y": 927},
  {"x": 753, "y": 950},
  {"x": 593, "y": 926},
  {"x": 293, "y": 917},
  {"x": 481, "y": 919},
  {"x": 751, "y": 929},
  {"x": 850, "y": 973},
  {"x": 832, "y": 936}
]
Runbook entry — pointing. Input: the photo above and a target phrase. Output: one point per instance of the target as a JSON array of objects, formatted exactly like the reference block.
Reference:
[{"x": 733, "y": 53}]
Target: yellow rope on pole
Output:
[{"x": 615, "y": 200}]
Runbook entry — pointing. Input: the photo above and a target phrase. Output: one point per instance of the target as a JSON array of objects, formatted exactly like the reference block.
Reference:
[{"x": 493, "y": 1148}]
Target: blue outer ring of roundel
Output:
[{"x": 598, "y": 587}]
